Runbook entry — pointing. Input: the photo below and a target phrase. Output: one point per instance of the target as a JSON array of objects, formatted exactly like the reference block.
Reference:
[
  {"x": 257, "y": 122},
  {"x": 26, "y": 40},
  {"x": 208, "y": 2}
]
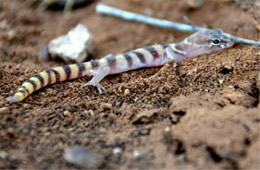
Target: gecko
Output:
[{"x": 201, "y": 42}]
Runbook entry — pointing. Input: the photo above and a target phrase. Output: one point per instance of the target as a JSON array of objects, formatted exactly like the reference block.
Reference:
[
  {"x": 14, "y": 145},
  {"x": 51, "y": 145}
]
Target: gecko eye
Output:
[{"x": 215, "y": 41}]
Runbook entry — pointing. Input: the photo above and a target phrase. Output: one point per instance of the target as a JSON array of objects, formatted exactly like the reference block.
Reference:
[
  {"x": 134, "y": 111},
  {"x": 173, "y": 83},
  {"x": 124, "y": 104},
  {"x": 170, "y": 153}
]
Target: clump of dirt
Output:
[{"x": 202, "y": 114}]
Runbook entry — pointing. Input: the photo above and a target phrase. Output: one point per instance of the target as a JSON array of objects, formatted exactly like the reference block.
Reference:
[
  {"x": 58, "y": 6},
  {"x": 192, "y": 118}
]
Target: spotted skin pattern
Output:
[{"x": 202, "y": 42}]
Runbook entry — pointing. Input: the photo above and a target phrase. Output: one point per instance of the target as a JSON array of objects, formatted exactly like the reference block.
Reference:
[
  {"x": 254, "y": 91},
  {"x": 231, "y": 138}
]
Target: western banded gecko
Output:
[{"x": 201, "y": 42}]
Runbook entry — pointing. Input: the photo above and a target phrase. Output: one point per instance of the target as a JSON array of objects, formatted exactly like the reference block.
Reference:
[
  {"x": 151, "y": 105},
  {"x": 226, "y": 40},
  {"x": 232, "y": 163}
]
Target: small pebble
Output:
[
  {"x": 4, "y": 109},
  {"x": 231, "y": 87},
  {"x": 3, "y": 155},
  {"x": 84, "y": 158},
  {"x": 221, "y": 81},
  {"x": 11, "y": 34},
  {"x": 107, "y": 106},
  {"x": 4, "y": 25},
  {"x": 117, "y": 151},
  {"x": 167, "y": 129},
  {"x": 137, "y": 154},
  {"x": 66, "y": 113},
  {"x": 26, "y": 105},
  {"x": 127, "y": 92}
]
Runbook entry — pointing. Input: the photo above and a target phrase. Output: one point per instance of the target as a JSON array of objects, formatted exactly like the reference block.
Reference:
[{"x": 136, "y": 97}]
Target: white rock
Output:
[
  {"x": 82, "y": 157},
  {"x": 3, "y": 155},
  {"x": 74, "y": 46},
  {"x": 221, "y": 81},
  {"x": 117, "y": 151},
  {"x": 138, "y": 154}
]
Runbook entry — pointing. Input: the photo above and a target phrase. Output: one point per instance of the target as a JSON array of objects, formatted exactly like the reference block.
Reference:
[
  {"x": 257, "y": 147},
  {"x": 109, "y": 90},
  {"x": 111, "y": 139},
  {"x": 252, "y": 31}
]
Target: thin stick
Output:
[{"x": 130, "y": 16}]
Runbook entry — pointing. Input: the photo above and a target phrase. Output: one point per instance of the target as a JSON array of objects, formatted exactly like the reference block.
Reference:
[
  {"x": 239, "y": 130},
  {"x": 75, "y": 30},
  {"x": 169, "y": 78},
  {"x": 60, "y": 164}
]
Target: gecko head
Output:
[
  {"x": 217, "y": 40},
  {"x": 207, "y": 41}
]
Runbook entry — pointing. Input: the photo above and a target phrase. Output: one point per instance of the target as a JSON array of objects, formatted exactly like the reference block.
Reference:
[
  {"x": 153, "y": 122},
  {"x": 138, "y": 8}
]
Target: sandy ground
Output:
[{"x": 204, "y": 114}]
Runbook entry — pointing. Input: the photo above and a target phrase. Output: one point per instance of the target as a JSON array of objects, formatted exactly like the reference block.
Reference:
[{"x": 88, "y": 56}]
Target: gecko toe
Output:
[{"x": 100, "y": 88}]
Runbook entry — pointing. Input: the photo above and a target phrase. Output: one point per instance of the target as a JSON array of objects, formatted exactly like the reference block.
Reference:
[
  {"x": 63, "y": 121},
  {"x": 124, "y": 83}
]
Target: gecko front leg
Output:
[
  {"x": 98, "y": 75},
  {"x": 174, "y": 56}
]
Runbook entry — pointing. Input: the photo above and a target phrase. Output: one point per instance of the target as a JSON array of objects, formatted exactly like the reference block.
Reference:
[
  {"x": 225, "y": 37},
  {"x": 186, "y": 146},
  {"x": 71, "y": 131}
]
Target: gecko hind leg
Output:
[{"x": 98, "y": 75}]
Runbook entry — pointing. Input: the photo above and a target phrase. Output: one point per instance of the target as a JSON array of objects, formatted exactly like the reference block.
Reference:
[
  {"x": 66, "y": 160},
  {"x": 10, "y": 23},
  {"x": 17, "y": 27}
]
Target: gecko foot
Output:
[
  {"x": 98, "y": 75},
  {"x": 99, "y": 87}
]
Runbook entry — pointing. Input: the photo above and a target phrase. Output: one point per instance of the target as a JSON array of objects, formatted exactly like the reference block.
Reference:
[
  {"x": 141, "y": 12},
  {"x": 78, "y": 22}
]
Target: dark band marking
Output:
[
  {"x": 164, "y": 46},
  {"x": 39, "y": 77},
  {"x": 25, "y": 89},
  {"x": 140, "y": 56},
  {"x": 111, "y": 60},
  {"x": 57, "y": 75},
  {"x": 82, "y": 68},
  {"x": 67, "y": 71},
  {"x": 128, "y": 59},
  {"x": 94, "y": 63},
  {"x": 32, "y": 83},
  {"x": 49, "y": 76},
  {"x": 153, "y": 51},
  {"x": 21, "y": 91}
]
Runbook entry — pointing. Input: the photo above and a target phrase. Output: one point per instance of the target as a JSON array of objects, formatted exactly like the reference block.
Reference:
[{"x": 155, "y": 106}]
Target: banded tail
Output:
[{"x": 50, "y": 76}]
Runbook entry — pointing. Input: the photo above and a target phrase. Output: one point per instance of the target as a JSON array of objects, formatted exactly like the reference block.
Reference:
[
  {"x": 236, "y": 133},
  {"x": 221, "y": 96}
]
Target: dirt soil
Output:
[{"x": 203, "y": 114}]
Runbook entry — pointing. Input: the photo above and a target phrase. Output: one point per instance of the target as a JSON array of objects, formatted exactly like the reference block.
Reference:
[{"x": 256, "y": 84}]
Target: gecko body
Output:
[{"x": 201, "y": 42}]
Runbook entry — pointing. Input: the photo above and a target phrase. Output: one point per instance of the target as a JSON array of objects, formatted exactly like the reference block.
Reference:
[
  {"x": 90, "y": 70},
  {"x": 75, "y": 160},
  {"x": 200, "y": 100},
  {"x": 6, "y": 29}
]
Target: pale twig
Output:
[{"x": 130, "y": 16}]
